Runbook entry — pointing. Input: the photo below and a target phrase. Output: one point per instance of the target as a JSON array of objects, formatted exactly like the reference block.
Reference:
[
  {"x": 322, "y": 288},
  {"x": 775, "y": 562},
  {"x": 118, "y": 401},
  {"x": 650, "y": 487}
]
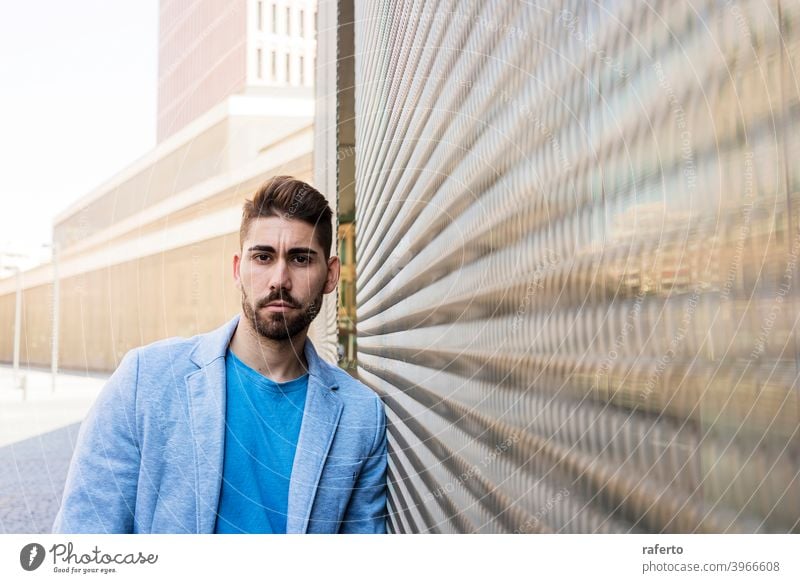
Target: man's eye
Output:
[
  {"x": 302, "y": 258},
  {"x": 261, "y": 257}
]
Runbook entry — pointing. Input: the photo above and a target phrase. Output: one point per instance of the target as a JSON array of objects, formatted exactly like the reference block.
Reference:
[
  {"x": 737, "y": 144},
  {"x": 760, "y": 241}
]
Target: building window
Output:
[
  {"x": 302, "y": 68},
  {"x": 302, "y": 18},
  {"x": 260, "y": 15},
  {"x": 288, "y": 20},
  {"x": 274, "y": 69},
  {"x": 259, "y": 64},
  {"x": 288, "y": 68},
  {"x": 274, "y": 18}
]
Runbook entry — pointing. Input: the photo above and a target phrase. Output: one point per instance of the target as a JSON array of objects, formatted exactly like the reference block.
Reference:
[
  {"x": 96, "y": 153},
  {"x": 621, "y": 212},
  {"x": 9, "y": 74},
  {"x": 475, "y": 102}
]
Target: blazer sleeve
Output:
[
  {"x": 100, "y": 490},
  {"x": 366, "y": 510}
]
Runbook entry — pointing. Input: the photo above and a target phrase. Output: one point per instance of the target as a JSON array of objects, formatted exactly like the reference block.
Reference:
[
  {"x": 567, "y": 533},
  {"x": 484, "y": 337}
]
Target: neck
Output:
[{"x": 278, "y": 360}]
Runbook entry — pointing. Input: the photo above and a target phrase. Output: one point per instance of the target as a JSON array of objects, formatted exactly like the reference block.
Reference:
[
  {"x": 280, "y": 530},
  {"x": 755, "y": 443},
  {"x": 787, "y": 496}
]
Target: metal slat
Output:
[{"x": 577, "y": 237}]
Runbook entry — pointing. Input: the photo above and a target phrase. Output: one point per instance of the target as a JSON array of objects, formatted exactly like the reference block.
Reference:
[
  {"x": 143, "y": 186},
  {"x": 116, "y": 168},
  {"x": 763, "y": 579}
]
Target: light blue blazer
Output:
[{"x": 149, "y": 455}]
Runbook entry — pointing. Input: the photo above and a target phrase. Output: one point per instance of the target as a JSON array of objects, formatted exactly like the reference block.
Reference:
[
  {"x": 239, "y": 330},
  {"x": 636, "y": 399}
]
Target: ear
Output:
[
  {"x": 237, "y": 262},
  {"x": 334, "y": 266}
]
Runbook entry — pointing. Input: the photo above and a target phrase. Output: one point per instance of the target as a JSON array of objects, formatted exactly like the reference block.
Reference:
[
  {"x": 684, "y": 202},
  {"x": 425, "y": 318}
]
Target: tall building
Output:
[
  {"x": 147, "y": 254},
  {"x": 210, "y": 49}
]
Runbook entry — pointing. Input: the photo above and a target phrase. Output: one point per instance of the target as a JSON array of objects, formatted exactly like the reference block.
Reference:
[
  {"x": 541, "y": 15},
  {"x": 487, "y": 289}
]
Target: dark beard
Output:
[{"x": 281, "y": 325}]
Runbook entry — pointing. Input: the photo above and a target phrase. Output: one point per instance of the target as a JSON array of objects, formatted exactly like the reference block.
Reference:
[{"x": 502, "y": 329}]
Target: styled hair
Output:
[{"x": 289, "y": 198}]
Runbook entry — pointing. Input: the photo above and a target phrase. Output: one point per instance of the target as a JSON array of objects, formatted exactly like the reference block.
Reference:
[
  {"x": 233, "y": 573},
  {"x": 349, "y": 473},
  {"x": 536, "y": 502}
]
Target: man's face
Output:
[{"x": 281, "y": 261}]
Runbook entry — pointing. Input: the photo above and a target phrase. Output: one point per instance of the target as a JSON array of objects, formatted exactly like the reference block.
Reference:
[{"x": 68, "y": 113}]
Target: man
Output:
[{"x": 244, "y": 429}]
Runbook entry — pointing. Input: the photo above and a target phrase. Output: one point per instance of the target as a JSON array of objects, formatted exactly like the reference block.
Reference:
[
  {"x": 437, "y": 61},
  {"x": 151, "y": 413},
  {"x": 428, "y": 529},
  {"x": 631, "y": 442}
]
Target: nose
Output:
[{"x": 279, "y": 276}]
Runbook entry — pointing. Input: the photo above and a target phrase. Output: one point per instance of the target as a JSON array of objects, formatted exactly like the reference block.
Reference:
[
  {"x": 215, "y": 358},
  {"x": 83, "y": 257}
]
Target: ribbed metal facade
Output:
[{"x": 577, "y": 233}]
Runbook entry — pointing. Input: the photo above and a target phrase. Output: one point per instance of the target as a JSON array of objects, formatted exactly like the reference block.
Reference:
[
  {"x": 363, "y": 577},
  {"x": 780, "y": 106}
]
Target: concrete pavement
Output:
[{"x": 38, "y": 428}]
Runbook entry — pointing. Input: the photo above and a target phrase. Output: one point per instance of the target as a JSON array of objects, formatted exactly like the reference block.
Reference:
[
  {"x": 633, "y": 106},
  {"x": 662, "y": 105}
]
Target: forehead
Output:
[{"x": 281, "y": 233}]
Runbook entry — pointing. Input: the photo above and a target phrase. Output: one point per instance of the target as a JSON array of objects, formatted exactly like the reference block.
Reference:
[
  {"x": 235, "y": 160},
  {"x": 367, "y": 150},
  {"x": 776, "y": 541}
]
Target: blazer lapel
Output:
[
  {"x": 207, "y": 411},
  {"x": 206, "y": 391},
  {"x": 321, "y": 415}
]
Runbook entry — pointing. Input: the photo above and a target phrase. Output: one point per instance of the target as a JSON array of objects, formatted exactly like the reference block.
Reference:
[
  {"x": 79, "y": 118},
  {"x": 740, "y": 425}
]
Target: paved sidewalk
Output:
[
  {"x": 36, "y": 409},
  {"x": 32, "y": 476},
  {"x": 38, "y": 428}
]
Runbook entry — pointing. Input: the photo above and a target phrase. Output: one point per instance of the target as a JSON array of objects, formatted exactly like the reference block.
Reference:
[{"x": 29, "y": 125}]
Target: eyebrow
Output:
[{"x": 292, "y": 251}]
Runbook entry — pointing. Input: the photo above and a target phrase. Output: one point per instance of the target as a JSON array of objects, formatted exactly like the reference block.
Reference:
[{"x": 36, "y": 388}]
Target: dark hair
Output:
[{"x": 289, "y": 198}]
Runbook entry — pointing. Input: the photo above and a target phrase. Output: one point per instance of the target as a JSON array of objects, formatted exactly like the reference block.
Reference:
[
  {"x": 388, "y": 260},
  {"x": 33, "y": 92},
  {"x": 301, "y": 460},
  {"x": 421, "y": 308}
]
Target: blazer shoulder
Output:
[
  {"x": 350, "y": 387},
  {"x": 169, "y": 352},
  {"x": 176, "y": 344}
]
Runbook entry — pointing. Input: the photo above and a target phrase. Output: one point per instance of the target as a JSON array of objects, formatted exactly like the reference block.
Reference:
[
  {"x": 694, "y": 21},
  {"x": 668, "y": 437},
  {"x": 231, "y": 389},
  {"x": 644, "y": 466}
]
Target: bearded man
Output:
[{"x": 244, "y": 429}]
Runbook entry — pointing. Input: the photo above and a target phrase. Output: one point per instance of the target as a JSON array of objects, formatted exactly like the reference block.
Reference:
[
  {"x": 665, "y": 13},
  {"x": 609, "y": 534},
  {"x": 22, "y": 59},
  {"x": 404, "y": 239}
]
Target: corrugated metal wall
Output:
[{"x": 577, "y": 237}]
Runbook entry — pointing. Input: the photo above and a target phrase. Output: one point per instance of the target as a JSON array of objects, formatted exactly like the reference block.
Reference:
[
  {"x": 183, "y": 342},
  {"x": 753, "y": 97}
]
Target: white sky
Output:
[{"x": 77, "y": 104}]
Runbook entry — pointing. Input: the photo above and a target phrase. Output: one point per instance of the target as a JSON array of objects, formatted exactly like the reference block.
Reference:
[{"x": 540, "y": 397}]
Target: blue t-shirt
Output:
[{"x": 262, "y": 423}]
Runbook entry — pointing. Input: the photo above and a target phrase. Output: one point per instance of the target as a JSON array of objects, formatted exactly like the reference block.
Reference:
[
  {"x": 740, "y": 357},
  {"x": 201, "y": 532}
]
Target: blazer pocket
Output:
[{"x": 342, "y": 474}]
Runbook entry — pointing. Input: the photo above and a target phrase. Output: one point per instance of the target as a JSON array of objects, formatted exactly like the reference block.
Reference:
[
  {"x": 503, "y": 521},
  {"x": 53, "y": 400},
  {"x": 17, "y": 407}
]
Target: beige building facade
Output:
[{"x": 149, "y": 254}]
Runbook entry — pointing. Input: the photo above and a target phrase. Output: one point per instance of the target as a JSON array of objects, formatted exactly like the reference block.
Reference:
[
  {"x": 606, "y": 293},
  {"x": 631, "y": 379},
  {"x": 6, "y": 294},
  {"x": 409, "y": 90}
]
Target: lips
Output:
[{"x": 279, "y": 307}]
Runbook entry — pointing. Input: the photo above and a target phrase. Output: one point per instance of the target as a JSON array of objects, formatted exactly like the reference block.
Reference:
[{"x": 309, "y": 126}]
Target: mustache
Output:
[{"x": 277, "y": 297}]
